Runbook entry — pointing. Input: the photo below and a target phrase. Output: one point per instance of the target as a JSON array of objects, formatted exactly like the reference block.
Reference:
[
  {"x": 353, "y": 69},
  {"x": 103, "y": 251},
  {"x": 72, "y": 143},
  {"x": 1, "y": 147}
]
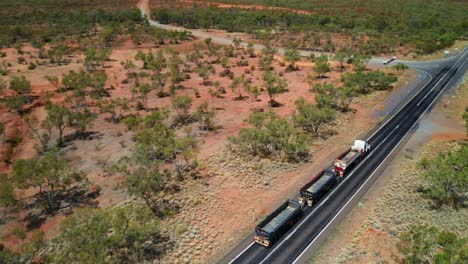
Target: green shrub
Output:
[
  {"x": 446, "y": 177},
  {"x": 366, "y": 82},
  {"x": 422, "y": 244},
  {"x": 113, "y": 235},
  {"x": 19, "y": 232},
  {"x": 271, "y": 137}
]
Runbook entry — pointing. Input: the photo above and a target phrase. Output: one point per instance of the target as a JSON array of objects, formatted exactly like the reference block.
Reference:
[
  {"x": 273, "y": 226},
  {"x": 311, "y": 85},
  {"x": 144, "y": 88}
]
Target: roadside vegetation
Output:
[
  {"x": 420, "y": 216},
  {"x": 374, "y": 26},
  {"x": 103, "y": 119}
]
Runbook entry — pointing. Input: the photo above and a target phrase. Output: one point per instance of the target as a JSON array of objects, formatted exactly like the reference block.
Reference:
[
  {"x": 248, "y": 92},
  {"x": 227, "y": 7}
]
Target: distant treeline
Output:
[
  {"x": 424, "y": 25},
  {"x": 49, "y": 20}
]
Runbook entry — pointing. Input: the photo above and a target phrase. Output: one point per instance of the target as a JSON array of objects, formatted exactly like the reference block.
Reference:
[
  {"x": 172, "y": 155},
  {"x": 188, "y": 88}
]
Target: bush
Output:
[
  {"x": 19, "y": 232},
  {"x": 113, "y": 235},
  {"x": 422, "y": 244},
  {"x": 446, "y": 177},
  {"x": 311, "y": 118},
  {"x": 365, "y": 83},
  {"x": 271, "y": 137}
]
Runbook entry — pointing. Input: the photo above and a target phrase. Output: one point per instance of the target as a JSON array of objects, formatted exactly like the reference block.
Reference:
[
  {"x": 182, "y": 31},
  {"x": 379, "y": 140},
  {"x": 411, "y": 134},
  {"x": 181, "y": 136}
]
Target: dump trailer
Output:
[
  {"x": 351, "y": 157},
  {"x": 277, "y": 223},
  {"x": 314, "y": 190}
]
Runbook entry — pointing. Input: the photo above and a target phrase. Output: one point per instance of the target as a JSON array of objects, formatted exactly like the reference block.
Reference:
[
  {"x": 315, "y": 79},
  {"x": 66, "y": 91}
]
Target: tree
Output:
[
  {"x": 114, "y": 106},
  {"x": 42, "y": 131},
  {"x": 54, "y": 80},
  {"x": 237, "y": 42},
  {"x": 341, "y": 56},
  {"x": 48, "y": 173},
  {"x": 446, "y": 177},
  {"x": 236, "y": 87},
  {"x": 205, "y": 115},
  {"x": 181, "y": 104},
  {"x": 360, "y": 61},
  {"x": 251, "y": 50},
  {"x": 400, "y": 67},
  {"x": 76, "y": 80},
  {"x": 96, "y": 57},
  {"x": 81, "y": 121},
  {"x": 274, "y": 85},
  {"x": 204, "y": 72},
  {"x": 159, "y": 83},
  {"x": 16, "y": 103},
  {"x": 266, "y": 57},
  {"x": 229, "y": 51},
  {"x": 158, "y": 63},
  {"x": 292, "y": 56},
  {"x": 98, "y": 81},
  {"x": 144, "y": 89},
  {"x": 424, "y": 244},
  {"x": 272, "y": 137},
  {"x": 58, "y": 116},
  {"x": 176, "y": 74},
  {"x": 102, "y": 235},
  {"x": 321, "y": 66},
  {"x": 344, "y": 96},
  {"x": 312, "y": 118},
  {"x": 130, "y": 67},
  {"x": 7, "y": 192},
  {"x": 213, "y": 49},
  {"x": 20, "y": 84},
  {"x": 57, "y": 53},
  {"x": 156, "y": 144},
  {"x": 325, "y": 95},
  {"x": 253, "y": 91},
  {"x": 364, "y": 83}
]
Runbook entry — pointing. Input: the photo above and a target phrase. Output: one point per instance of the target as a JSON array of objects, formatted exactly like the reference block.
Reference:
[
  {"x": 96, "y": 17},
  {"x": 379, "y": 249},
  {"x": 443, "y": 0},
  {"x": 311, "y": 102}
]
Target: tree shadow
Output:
[
  {"x": 276, "y": 104},
  {"x": 87, "y": 135},
  {"x": 75, "y": 197}
]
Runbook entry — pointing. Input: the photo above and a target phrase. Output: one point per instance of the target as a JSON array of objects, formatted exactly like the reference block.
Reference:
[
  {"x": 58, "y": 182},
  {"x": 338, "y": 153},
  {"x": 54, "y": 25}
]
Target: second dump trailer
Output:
[{"x": 314, "y": 190}]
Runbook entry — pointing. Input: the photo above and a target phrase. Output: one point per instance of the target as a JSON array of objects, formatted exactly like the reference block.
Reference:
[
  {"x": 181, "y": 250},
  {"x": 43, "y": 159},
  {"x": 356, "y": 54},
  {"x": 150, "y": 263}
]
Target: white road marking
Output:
[
  {"x": 383, "y": 162},
  {"x": 432, "y": 89},
  {"x": 322, "y": 202},
  {"x": 388, "y": 120},
  {"x": 234, "y": 259}
]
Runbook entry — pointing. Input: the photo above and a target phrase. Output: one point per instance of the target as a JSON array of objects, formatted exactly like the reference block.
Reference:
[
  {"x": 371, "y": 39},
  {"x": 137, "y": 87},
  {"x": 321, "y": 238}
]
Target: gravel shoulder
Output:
[{"x": 369, "y": 234}]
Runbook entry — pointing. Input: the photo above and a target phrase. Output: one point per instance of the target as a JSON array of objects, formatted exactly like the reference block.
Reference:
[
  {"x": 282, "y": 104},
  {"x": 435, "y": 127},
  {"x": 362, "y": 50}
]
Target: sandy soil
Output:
[
  {"x": 370, "y": 233},
  {"x": 232, "y": 194}
]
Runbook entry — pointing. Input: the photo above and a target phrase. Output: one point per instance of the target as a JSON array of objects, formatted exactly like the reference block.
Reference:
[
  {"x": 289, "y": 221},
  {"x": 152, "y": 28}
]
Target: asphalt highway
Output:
[{"x": 298, "y": 244}]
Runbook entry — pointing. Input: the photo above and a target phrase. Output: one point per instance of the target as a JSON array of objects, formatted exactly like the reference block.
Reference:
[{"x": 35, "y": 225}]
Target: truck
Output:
[
  {"x": 314, "y": 190},
  {"x": 277, "y": 223},
  {"x": 349, "y": 158}
]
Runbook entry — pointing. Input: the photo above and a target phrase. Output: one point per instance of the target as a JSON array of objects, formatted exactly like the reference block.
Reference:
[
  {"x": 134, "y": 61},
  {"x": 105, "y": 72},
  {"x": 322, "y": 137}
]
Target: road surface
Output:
[{"x": 298, "y": 244}]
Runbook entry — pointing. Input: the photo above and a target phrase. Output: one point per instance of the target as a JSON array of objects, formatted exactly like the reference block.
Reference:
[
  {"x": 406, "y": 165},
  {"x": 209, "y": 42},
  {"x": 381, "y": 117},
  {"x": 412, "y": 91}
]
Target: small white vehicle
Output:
[{"x": 388, "y": 61}]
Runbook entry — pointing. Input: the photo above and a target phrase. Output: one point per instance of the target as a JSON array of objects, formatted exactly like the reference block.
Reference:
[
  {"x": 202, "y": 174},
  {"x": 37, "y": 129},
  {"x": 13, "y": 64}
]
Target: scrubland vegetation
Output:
[
  {"x": 145, "y": 96},
  {"x": 375, "y": 26}
]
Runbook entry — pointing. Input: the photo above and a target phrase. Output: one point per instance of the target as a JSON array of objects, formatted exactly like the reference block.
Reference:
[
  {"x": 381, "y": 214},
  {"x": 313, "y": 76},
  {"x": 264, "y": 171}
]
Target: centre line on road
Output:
[
  {"x": 302, "y": 253},
  {"x": 326, "y": 199}
]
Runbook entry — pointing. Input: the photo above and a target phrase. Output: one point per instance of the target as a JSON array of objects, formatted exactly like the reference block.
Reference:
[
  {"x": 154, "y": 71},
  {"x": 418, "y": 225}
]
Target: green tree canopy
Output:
[{"x": 446, "y": 177}]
